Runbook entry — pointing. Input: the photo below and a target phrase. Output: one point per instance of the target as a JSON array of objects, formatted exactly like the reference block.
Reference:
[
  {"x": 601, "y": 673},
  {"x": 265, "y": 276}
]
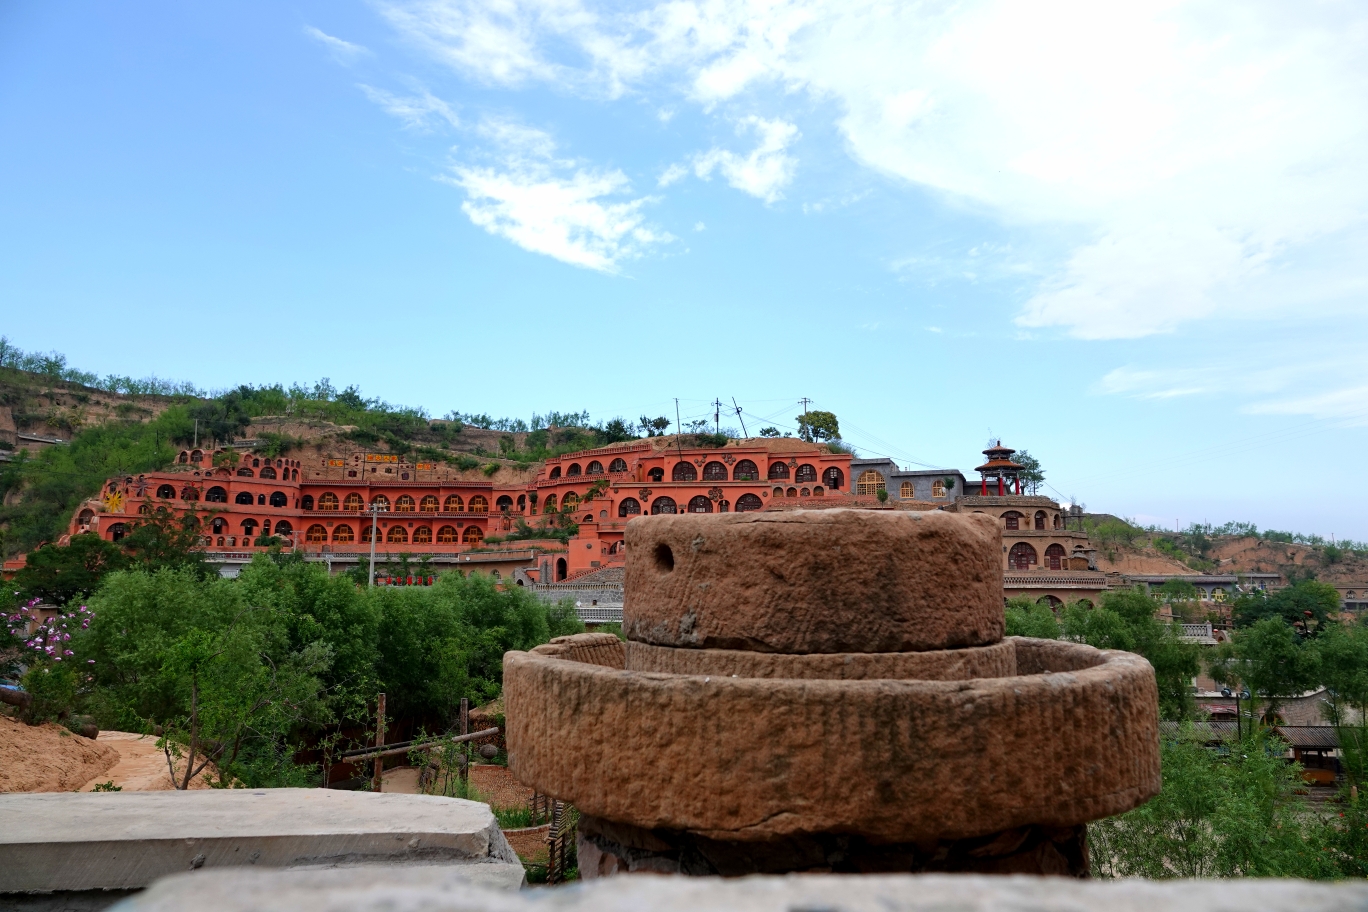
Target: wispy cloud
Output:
[
  {"x": 1348, "y": 406},
  {"x": 344, "y": 52},
  {"x": 554, "y": 206},
  {"x": 416, "y": 111},
  {"x": 766, "y": 171}
]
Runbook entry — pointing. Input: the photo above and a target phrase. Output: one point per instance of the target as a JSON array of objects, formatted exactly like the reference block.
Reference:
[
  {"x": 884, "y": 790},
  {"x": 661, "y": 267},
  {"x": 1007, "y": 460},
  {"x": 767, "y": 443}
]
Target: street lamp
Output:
[{"x": 1238, "y": 695}]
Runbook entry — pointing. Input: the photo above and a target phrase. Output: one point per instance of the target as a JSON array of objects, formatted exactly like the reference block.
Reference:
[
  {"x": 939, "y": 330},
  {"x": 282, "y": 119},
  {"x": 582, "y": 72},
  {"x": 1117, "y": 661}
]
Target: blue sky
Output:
[{"x": 1131, "y": 240}]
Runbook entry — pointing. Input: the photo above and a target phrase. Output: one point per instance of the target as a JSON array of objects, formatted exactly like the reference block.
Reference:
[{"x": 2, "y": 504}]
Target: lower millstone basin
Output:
[
  {"x": 1071, "y": 737},
  {"x": 995, "y": 661}
]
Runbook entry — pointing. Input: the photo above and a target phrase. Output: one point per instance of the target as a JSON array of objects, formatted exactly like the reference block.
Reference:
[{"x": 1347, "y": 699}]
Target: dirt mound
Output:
[
  {"x": 48, "y": 758},
  {"x": 1143, "y": 563}
]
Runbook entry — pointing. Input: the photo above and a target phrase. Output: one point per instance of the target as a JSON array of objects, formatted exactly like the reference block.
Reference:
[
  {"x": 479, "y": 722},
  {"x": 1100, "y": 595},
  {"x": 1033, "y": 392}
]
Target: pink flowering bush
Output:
[{"x": 43, "y": 649}]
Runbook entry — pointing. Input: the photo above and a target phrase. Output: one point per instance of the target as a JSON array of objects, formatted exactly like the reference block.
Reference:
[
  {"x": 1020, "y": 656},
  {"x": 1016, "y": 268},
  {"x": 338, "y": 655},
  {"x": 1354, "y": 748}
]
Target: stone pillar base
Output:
[{"x": 606, "y": 847}]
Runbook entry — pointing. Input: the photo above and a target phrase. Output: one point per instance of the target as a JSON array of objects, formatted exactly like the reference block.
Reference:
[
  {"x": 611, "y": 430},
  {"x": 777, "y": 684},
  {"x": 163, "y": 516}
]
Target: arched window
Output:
[
  {"x": 594, "y": 468},
  {"x": 1054, "y": 557},
  {"x": 278, "y": 499},
  {"x": 570, "y": 501},
  {"x": 454, "y": 504},
  {"x": 261, "y": 499},
  {"x": 749, "y": 503},
  {"x": 196, "y": 455},
  {"x": 1021, "y": 557},
  {"x": 700, "y": 504},
  {"x": 404, "y": 504},
  {"x": 1013, "y": 520},
  {"x": 833, "y": 478},
  {"x": 380, "y": 503},
  {"x": 306, "y": 502},
  {"x": 746, "y": 471},
  {"x": 245, "y": 473},
  {"x": 249, "y": 526},
  {"x": 117, "y": 531},
  {"x": 244, "y": 497},
  {"x": 1218, "y": 594},
  {"x": 560, "y": 568},
  {"x": 1040, "y": 520},
  {"x": 778, "y": 471},
  {"x": 268, "y": 472},
  {"x": 294, "y": 474},
  {"x": 1052, "y": 600},
  {"x": 805, "y": 493},
  {"x": 343, "y": 535},
  {"x": 366, "y": 529},
  {"x": 573, "y": 470},
  {"x": 422, "y": 535},
  {"x": 817, "y": 491},
  {"x": 86, "y": 517},
  {"x": 870, "y": 482},
  {"x": 1057, "y": 523},
  {"x": 791, "y": 492},
  {"x": 428, "y": 504},
  {"x": 522, "y": 503},
  {"x": 549, "y": 505},
  {"x": 166, "y": 492},
  {"x": 806, "y": 473},
  {"x": 478, "y": 504},
  {"x": 715, "y": 471},
  {"x": 663, "y": 504},
  {"x": 629, "y": 506},
  {"x": 317, "y": 535},
  {"x": 219, "y": 525},
  {"x": 353, "y": 503},
  {"x": 684, "y": 471},
  {"x": 618, "y": 465},
  {"x": 555, "y": 472},
  {"x": 656, "y": 474},
  {"x": 283, "y": 527},
  {"x": 778, "y": 492},
  {"x": 184, "y": 457},
  {"x": 216, "y": 495},
  {"x": 397, "y": 535},
  {"x": 447, "y": 535},
  {"x": 473, "y": 535},
  {"x": 905, "y": 491},
  {"x": 504, "y": 504}
]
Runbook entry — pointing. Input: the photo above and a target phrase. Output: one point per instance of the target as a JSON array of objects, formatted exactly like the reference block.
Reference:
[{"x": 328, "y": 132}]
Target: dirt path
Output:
[{"x": 140, "y": 766}]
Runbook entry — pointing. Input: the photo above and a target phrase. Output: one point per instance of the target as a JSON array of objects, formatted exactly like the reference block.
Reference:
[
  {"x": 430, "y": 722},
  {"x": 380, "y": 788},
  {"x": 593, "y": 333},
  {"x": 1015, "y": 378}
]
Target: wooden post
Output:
[
  {"x": 465, "y": 729},
  {"x": 377, "y": 783}
]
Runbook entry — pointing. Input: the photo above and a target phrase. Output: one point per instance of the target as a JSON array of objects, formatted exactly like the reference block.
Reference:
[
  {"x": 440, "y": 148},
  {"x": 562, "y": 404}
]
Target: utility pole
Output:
[
  {"x": 744, "y": 433},
  {"x": 717, "y": 416},
  {"x": 374, "y": 512},
  {"x": 378, "y": 780},
  {"x": 196, "y": 446},
  {"x": 805, "y": 401}
]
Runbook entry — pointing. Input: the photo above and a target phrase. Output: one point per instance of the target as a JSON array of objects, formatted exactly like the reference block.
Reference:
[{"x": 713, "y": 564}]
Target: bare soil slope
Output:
[
  {"x": 1141, "y": 561},
  {"x": 48, "y": 758}
]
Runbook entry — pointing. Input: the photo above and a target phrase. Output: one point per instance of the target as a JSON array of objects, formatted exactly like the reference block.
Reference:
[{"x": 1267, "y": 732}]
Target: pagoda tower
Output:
[{"x": 1001, "y": 467}]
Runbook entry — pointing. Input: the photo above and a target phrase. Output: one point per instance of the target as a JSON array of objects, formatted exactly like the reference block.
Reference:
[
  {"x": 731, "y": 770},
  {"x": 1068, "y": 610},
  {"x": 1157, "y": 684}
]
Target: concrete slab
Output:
[
  {"x": 125, "y": 840},
  {"x": 410, "y": 891}
]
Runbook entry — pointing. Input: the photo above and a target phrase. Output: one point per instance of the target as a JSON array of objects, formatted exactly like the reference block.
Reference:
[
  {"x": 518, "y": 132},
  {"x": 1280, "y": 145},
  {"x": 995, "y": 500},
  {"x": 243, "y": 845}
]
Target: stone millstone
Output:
[
  {"x": 995, "y": 661},
  {"x": 1074, "y": 736},
  {"x": 828, "y": 581}
]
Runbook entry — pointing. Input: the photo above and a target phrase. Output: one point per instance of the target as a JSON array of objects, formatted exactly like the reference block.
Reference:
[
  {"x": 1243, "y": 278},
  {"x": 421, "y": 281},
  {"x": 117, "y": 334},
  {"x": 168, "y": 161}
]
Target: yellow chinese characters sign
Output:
[{"x": 381, "y": 457}]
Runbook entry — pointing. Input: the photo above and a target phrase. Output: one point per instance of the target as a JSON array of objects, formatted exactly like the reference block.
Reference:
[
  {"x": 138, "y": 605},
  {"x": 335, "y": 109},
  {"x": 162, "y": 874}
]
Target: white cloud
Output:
[
  {"x": 672, "y": 175},
  {"x": 766, "y": 170},
  {"x": 343, "y": 52},
  {"x": 1202, "y": 159},
  {"x": 552, "y": 206},
  {"x": 416, "y": 111},
  {"x": 1347, "y": 406},
  {"x": 699, "y": 226}
]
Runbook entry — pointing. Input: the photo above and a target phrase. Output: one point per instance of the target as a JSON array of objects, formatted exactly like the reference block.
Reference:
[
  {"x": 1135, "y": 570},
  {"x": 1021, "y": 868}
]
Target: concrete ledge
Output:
[
  {"x": 995, "y": 661},
  {"x": 125, "y": 840},
  {"x": 416, "y": 891}
]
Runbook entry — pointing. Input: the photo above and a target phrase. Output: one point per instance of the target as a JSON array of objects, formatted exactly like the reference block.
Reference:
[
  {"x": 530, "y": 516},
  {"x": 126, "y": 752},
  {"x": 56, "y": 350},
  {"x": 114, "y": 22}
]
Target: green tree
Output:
[
  {"x": 1306, "y": 606},
  {"x": 1028, "y": 618},
  {"x": 770, "y": 432},
  {"x": 654, "y": 427},
  {"x": 1342, "y": 662},
  {"x": 1220, "y": 813},
  {"x": 63, "y": 573},
  {"x": 1032, "y": 473},
  {"x": 816, "y": 426},
  {"x": 1271, "y": 659},
  {"x": 161, "y": 539}
]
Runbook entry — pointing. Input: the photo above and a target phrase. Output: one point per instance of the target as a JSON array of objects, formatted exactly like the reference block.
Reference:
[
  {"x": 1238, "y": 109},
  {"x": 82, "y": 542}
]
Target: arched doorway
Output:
[{"x": 1021, "y": 557}]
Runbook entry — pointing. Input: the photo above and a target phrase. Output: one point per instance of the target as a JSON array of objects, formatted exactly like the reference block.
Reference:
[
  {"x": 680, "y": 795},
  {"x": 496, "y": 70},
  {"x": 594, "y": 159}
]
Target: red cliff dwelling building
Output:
[{"x": 323, "y": 505}]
